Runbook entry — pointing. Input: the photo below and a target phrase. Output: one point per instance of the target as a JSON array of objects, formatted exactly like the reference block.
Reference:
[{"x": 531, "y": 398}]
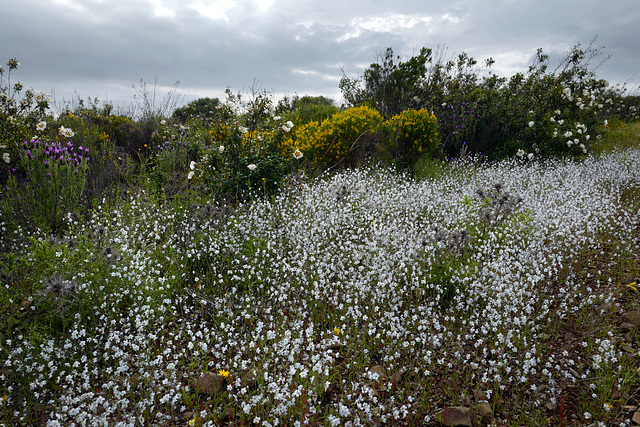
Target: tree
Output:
[
  {"x": 389, "y": 85},
  {"x": 202, "y": 108}
]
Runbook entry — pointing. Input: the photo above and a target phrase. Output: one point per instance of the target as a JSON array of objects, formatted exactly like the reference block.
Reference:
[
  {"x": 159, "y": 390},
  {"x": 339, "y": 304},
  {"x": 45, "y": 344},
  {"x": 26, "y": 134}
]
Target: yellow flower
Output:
[
  {"x": 336, "y": 331},
  {"x": 223, "y": 373},
  {"x": 633, "y": 286},
  {"x": 192, "y": 422}
]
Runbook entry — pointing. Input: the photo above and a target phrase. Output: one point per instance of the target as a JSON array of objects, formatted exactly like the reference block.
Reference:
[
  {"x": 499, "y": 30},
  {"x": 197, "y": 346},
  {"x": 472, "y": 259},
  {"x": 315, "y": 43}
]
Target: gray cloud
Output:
[{"x": 100, "y": 48}]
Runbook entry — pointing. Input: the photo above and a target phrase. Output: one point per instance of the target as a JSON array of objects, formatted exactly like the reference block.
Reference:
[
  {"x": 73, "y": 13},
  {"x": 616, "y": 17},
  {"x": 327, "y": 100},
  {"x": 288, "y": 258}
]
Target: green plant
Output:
[
  {"x": 45, "y": 183},
  {"x": 19, "y": 114},
  {"x": 412, "y": 134},
  {"x": 389, "y": 85},
  {"x": 350, "y": 135}
]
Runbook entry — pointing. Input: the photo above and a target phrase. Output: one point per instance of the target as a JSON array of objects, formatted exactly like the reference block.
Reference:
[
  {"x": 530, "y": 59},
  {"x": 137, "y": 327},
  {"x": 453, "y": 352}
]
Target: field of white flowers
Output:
[{"x": 365, "y": 298}]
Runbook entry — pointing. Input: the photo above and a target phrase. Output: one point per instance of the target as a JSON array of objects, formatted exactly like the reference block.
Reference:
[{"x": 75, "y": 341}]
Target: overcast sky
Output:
[{"x": 100, "y": 48}]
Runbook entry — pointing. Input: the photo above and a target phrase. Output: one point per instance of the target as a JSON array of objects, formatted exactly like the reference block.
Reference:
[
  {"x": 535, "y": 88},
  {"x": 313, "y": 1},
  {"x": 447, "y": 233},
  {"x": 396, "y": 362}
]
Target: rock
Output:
[
  {"x": 454, "y": 416},
  {"x": 397, "y": 377},
  {"x": 209, "y": 383},
  {"x": 632, "y": 317},
  {"x": 134, "y": 380},
  {"x": 485, "y": 411},
  {"x": 378, "y": 369},
  {"x": 249, "y": 380},
  {"x": 626, "y": 327},
  {"x": 480, "y": 395},
  {"x": 574, "y": 373},
  {"x": 227, "y": 415}
]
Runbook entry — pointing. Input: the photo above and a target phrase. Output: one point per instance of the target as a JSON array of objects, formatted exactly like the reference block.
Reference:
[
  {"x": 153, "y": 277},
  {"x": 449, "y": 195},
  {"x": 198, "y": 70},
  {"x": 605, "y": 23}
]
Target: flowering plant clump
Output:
[
  {"x": 22, "y": 113},
  {"x": 481, "y": 113},
  {"x": 345, "y": 135},
  {"x": 412, "y": 133},
  {"x": 343, "y": 302},
  {"x": 45, "y": 183},
  {"x": 244, "y": 155}
]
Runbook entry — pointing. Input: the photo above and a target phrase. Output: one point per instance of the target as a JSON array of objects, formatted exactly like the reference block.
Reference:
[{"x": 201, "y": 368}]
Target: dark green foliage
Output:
[
  {"x": 204, "y": 109},
  {"x": 301, "y": 110},
  {"x": 389, "y": 85}
]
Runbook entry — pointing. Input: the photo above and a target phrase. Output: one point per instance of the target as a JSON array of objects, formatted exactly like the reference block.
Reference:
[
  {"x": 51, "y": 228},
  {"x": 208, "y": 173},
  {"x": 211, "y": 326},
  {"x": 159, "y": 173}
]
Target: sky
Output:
[{"x": 104, "y": 49}]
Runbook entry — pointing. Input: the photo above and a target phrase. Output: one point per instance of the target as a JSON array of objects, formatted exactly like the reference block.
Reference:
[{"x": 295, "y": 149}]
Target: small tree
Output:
[
  {"x": 389, "y": 85},
  {"x": 201, "y": 108}
]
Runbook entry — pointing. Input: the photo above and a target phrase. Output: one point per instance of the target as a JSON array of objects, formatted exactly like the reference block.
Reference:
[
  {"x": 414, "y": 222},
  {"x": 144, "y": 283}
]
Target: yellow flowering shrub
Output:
[
  {"x": 411, "y": 134},
  {"x": 336, "y": 136}
]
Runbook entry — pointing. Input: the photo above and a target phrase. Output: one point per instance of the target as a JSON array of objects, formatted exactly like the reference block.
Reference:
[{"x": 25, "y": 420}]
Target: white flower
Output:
[
  {"x": 163, "y": 122},
  {"x": 553, "y": 119},
  {"x": 191, "y": 173},
  {"x": 42, "y": 97},
  {"x": 243, "y": 129},
  {"x": 297, "y": 154},
  {"x": 566, "y": 92},
  {"x": 569, "y": 143},
  {"x": 276, "y": 117},
  {"x": 560, "y": 121},
  {"x": 252, "y": 167},
  {"x": 557, "y": 112},
  {"x": 531, "y": 123},
  {"x": 568, "y": 134},
  {"x": 599, "y": 137},
  {"x": 66, "y": 132},
  {"x": 520, "y": 153},
  {"x": 192, "y": 165},
  {"x": 6, "y": 157},
  {"x": 606, "y": 123},
  {"x": 221, "y": 149},
  {"x": 41, "y": 126},
  {"x": 530, "y": 156},
  {"x": 587, "y": 137},
  {"x": 287, "y": 126}
]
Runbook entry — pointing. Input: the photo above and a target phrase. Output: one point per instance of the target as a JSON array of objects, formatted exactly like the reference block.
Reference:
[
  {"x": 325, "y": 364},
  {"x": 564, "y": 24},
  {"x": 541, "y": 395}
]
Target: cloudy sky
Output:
[{"x": 100, "y": 48}]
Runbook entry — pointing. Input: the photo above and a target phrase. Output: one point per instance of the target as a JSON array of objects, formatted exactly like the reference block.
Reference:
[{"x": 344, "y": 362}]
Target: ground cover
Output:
[{"x": 504, "y": 291}]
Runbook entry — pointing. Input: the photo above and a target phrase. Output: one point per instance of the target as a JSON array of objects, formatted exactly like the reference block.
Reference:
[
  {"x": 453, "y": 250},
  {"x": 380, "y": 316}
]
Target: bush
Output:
[
  {"x": 305, "y": 109},
  {"x": 540, "y": 113},
  {"x": 350, "y": 135},
  {"x": 234, "y": 157},
  {"x": 45, "y": 184},
  {"x": 412, "y": 134}
]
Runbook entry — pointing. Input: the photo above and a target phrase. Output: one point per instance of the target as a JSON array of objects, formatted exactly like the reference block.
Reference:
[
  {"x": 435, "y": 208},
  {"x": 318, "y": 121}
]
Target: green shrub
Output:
[
  {"x": 45, "y": 183},
  {"x": 349, "y": 135},
  {"x": 412, "y": 134}
]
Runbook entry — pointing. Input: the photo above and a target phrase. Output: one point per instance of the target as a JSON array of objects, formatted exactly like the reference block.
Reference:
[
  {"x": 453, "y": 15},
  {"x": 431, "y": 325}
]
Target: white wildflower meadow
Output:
[{"x": 363, "y": 298}]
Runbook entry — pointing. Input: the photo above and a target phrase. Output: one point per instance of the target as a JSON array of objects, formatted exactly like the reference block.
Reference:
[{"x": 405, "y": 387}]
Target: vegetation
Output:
[{"x": 246, "y": 262}]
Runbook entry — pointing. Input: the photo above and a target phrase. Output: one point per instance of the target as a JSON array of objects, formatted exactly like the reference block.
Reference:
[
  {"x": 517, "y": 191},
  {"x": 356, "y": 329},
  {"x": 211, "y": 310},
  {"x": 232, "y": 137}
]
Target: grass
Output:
[
  {"x": 363, "y": 298},
  {"x": 619, "y": 135}
]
